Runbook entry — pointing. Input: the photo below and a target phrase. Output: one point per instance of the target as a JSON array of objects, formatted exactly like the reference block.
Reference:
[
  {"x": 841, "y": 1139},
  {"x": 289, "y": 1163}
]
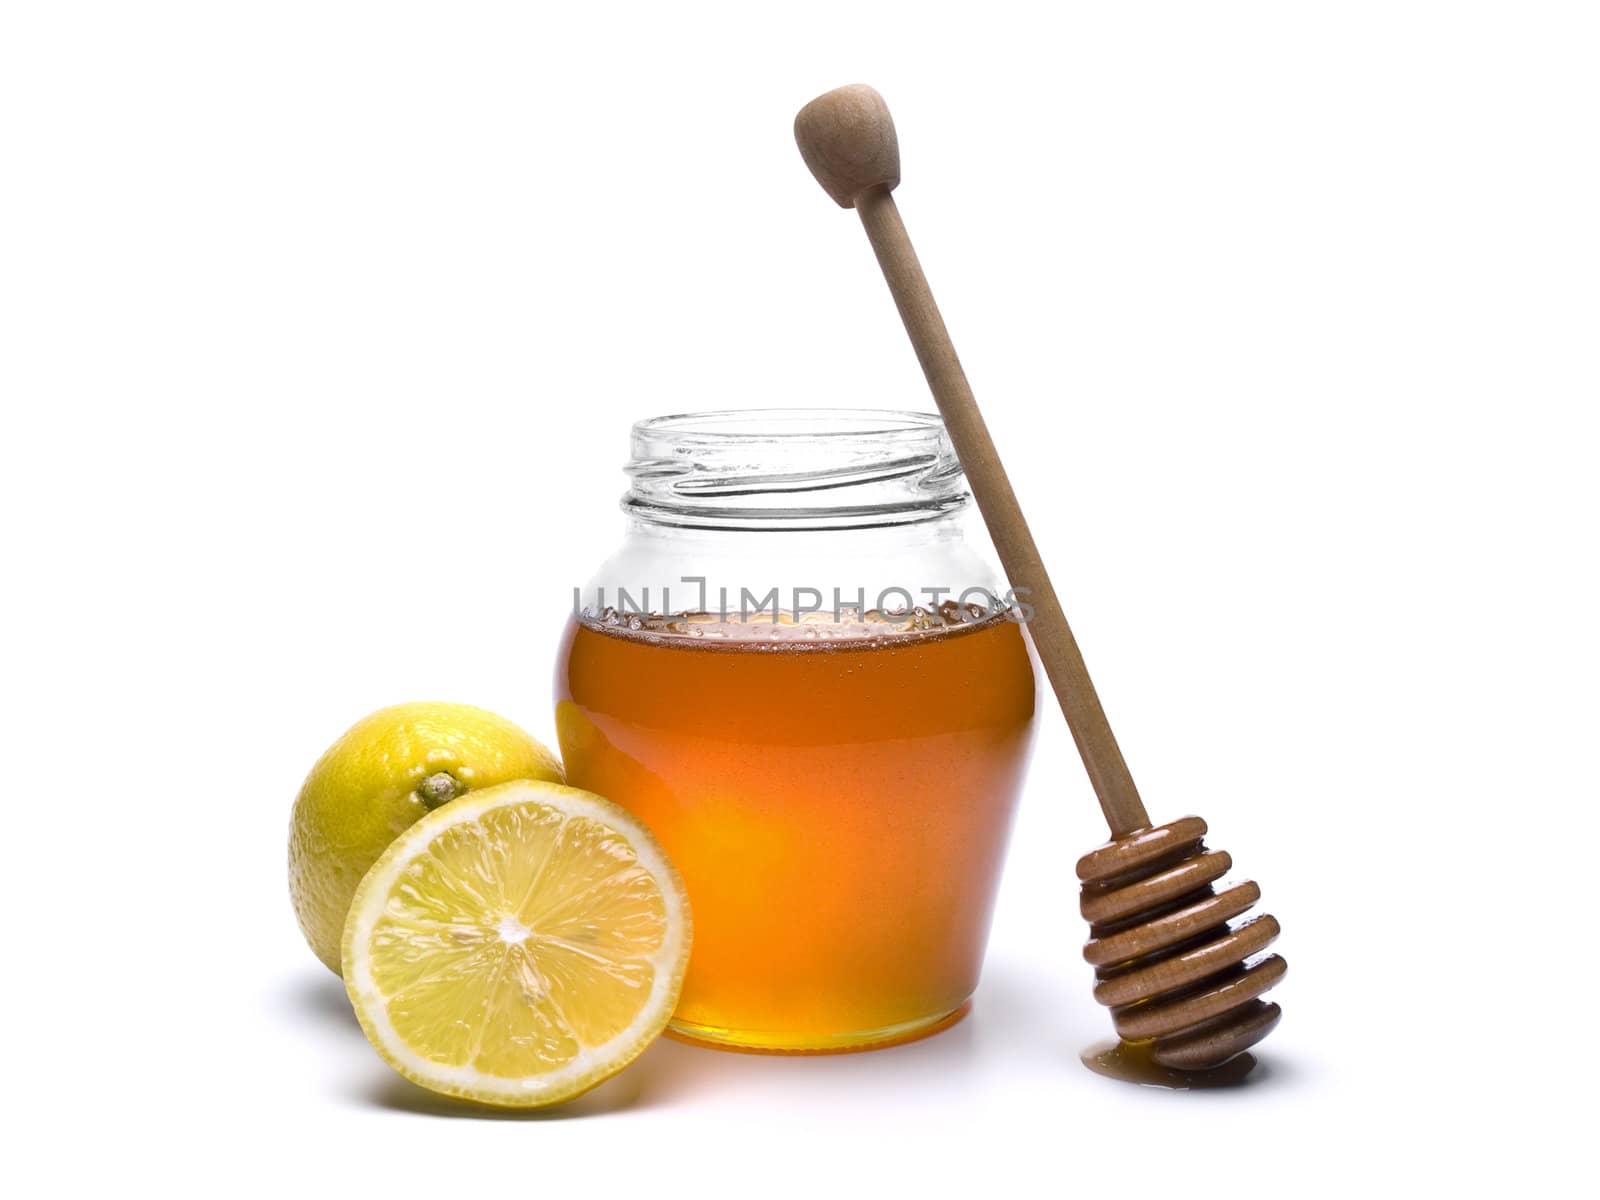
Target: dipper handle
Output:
[{"x": 847, "y": 138}]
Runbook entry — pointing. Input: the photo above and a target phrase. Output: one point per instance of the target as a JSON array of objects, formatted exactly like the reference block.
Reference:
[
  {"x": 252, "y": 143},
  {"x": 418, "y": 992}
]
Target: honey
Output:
[
  {"x": 1131, "y": 1062},
  {"x": 837, "y": 796}
]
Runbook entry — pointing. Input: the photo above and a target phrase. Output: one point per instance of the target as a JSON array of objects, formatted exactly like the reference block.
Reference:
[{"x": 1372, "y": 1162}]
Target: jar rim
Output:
[
  {"x": 793, "y": 468},
  {"x": 756, "y": 425}
]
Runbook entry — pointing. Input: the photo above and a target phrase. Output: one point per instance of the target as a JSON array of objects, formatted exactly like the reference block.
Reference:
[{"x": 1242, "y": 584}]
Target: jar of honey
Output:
[{"x": 801, "y": 677}]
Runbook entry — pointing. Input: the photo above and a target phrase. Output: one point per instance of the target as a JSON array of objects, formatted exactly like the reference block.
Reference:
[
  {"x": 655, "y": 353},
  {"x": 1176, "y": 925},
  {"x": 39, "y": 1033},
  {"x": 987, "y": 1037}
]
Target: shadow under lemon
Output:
[{"x": 675, "y": 1072}]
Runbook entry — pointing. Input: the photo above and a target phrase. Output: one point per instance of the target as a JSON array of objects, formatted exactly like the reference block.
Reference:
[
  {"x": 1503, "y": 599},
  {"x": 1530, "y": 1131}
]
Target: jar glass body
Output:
[{"x": 798, "y": 673}]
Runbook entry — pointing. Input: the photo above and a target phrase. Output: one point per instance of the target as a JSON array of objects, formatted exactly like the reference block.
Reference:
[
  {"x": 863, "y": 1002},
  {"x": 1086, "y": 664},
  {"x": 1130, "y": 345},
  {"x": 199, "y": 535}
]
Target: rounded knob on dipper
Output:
[{"x": 847, "y": 138}]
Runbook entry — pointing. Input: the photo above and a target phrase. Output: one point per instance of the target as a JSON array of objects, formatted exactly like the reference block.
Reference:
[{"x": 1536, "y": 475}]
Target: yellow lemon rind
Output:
[{"x": 362, "y": 792}]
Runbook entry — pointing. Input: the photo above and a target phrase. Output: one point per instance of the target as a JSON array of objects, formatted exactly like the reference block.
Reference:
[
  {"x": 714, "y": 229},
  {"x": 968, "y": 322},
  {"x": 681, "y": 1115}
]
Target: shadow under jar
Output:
[{"x": 818, "y": 697}]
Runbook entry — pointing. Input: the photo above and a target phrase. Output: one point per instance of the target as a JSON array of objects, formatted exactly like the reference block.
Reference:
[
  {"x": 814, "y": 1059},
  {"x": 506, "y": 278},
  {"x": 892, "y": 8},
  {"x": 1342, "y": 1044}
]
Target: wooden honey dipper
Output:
[{"x": 1171, "y": 968}]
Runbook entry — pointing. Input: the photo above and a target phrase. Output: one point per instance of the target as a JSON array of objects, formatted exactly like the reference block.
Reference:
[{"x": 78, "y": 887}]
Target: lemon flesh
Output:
[
  {"x": 384, "y": 773},
  {"x": 517, "y": 946}
]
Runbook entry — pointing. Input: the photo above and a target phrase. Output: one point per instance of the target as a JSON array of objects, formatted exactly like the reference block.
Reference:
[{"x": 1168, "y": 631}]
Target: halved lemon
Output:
[{"x": 517, "y": 946}]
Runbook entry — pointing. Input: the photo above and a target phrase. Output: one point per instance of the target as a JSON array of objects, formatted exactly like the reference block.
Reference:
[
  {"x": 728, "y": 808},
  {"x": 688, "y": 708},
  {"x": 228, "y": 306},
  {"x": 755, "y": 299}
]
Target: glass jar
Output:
[{"x": 797, "y": 672}]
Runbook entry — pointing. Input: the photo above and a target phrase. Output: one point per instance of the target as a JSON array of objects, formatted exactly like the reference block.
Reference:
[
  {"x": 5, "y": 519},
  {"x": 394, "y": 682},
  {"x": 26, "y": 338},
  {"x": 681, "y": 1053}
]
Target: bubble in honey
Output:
[{"x": 769, "y": 629}]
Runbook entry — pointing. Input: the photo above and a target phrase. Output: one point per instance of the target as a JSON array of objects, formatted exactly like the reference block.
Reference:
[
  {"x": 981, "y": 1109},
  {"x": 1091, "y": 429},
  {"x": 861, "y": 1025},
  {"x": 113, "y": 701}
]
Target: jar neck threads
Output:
[{"x": 793, "y": 469}]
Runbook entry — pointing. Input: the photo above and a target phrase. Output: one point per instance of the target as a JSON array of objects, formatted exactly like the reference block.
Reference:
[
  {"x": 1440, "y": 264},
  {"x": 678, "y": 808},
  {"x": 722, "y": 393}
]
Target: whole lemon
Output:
[{"x": 382, "y": 775}]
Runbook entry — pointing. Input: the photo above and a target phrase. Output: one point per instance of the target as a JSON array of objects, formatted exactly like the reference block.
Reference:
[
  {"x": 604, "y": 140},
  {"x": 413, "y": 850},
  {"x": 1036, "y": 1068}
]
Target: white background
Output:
[{"x": 321, "y": 329}]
